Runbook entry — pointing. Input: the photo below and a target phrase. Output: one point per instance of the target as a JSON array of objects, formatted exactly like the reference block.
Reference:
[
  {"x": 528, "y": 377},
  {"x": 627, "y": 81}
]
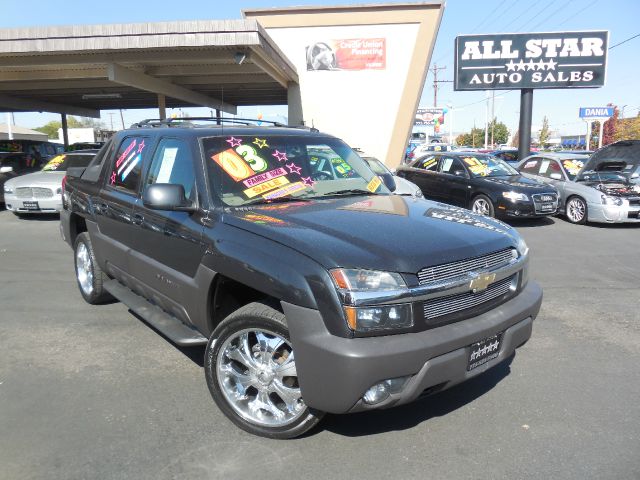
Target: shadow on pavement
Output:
[
  {"x": 40, "y": 217},
  {"x": 410, "y": 415},
  {"x": 532, "y": 222}
]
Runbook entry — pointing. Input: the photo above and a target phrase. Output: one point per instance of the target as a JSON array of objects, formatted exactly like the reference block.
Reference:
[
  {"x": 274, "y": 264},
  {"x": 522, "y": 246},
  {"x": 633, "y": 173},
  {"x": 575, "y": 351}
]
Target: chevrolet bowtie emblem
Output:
[{"x": 481, "y": 282}]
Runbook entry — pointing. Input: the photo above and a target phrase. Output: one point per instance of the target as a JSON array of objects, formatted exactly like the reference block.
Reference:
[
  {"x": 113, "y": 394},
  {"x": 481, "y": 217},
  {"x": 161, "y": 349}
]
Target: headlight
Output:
[
  {"x": 515, "y": 196},
  {"x": 522, "y": 247},
  {"x": 7, "y": 189},
  {"x": 357, "y": 280},
  {"x": 352, "y": 283},
  {"x": 607, "y": 200}
]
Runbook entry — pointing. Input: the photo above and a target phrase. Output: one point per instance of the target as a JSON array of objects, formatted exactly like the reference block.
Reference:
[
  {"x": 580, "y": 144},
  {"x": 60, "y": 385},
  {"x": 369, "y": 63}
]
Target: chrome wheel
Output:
[
  {"x": 481, "y": 206},
  {"x": 84, "y": 269},
  {"x": 576, "y": 210},
  {"x": 257, "y": 375}
]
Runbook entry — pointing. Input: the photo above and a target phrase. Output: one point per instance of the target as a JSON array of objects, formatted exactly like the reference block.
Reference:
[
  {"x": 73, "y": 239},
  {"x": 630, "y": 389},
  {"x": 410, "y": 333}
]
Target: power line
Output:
[
  {"x": 488, "y": 16},
  {"x": 527, "y": 20},
  {"x": 624, "y": 41},
  {"x": 562, "y": 7},
  {"x": 576, "y": 14}
]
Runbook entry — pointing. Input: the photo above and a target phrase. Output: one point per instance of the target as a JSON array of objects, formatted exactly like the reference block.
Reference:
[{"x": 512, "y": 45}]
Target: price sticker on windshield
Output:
[{"x": 373, "y": 185}]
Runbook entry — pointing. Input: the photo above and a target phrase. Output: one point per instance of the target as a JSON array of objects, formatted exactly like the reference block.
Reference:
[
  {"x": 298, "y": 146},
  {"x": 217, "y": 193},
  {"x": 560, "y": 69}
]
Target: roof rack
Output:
[{"x": 186, "y": 122}]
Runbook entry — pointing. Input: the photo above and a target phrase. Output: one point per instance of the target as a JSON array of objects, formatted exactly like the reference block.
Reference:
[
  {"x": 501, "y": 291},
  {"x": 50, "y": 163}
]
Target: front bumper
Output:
[
  {"x": 46, "y": 205},
  {"x": 600, "y": 213},
  {"x": 528, "y": 209},
  {"x": 335, "y": 372}
]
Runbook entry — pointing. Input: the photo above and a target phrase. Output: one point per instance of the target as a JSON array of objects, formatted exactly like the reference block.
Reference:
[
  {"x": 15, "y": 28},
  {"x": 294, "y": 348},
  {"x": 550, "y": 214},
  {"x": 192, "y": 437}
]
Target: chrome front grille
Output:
[
  {"x": 35, "y": 192},
  {"x": 451, "y": 271},
  {"x": 441, "y": 306},
  {"x": 544, "y": 198}
]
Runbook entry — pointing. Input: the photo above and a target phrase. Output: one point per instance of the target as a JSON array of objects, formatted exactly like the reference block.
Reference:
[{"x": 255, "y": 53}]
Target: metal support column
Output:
[
  {"x": 65, "y": 130},
  {"x": 162, "y": 106},
  {"x": 524, "y": 132}
]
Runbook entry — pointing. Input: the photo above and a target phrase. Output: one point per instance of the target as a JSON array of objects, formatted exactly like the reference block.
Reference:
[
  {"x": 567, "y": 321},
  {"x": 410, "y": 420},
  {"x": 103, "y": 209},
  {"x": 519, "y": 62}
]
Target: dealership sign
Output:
[
  {"x": 530, "y": 60},
  {"x": 347, "y": 54},
  {"x": 429, "y": 116},
  {"x": 596, "y": 112}
]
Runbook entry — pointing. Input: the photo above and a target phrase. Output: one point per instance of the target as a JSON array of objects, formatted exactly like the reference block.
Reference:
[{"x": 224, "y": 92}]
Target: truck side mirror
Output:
[
  {"x": 166, "y": 196},
  {"x": 389, "y": 181}
]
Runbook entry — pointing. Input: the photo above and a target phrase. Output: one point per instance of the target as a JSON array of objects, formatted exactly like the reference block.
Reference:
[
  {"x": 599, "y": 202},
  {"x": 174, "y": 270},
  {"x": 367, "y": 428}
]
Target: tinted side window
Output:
[
  {"x": 430, "y": 162},
  {"x": 547, "y": 167},
  {"x": 531, "y": 166},
  {"x": 172, "y": 164},
  {"x": 127, "y": 166},
  {"x": 451, "y": 165}
]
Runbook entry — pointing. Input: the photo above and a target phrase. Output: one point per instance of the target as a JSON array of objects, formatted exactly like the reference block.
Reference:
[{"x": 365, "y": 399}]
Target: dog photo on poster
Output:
[{"x": 347, "y": 54}]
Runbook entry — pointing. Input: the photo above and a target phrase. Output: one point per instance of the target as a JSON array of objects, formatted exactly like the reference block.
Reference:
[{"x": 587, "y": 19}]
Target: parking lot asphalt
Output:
[{"x": 93, "y": 392}]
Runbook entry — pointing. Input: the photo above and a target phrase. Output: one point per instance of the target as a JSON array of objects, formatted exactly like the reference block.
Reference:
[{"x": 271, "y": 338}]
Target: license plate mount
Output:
[
  {"x": 30, "y": 205},
  {"x": 484, "y": 351}
]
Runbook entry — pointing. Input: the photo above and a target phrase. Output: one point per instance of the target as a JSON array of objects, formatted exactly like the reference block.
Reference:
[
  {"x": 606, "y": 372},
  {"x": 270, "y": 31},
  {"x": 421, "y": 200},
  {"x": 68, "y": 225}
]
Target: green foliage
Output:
[
  {"x": 51, "y": 128},
  {"x": 544, "y": 134},
  {"x": 475, "y": 138}
]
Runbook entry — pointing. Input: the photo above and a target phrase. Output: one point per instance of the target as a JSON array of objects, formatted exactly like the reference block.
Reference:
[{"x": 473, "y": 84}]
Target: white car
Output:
[
  {"x": 403, "y": 186},
  {"x": 41, "y": 192}
]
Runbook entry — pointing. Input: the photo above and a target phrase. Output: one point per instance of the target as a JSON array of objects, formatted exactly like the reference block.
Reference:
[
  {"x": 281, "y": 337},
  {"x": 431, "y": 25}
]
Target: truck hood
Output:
[
  {"x": 38, "y": 179},
  {"x": 377, "y": 232}
]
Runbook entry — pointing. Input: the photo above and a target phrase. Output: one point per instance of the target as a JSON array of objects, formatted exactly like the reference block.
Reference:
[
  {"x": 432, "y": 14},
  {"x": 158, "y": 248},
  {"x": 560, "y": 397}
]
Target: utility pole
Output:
[
  {"x": 122, "y": 118},
  {"x": 435, "y": 69},
  {"x": 493, "y": 115},
  {"x": 111, "y": 114}
]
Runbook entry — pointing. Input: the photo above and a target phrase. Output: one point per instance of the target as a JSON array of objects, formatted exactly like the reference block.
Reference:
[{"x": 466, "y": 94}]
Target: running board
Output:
[{"x": 178, "y": 332}]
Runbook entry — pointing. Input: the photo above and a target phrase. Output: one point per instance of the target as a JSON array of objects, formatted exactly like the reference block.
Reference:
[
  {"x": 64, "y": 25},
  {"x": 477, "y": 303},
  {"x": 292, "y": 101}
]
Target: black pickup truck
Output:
[{"x": 315, "y": 287}]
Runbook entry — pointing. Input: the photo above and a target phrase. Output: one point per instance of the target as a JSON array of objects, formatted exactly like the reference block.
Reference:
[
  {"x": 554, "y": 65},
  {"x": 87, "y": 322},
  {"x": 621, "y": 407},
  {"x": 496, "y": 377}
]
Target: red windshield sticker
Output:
[
  {"x": 264, "y": 177},
  {"x": 234, "y": 165},
  {"x": 281, "y": 156},
  {"x": 260, "y": 142},
  {"x": 234, "y": 142},
  {"x": 288, "y": 190}
]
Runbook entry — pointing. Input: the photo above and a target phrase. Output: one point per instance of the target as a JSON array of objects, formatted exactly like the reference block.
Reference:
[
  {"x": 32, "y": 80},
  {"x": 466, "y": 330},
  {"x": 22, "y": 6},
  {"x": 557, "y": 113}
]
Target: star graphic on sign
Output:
[
  {"x": 521, "y": 65},
  {"x": 540, "y": 65},
  {"x": 308, "y": 182},
  {"x": 113, "y": 178},
  {"x": 281, "y": 156},
  {"x": 293, "y": 168},
  {"x": 510, "y": 66},
  {"x": 260, "y": 142},
  {"x": 531, "y": 65},
  {"x": 141, "y": 146},
  {"x": 234, "y": 142},
  {"x": 551, "y": 65}
]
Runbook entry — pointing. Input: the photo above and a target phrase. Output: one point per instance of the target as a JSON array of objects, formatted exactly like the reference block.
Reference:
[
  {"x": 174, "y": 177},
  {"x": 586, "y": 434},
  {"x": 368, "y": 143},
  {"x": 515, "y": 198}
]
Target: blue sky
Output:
[{"x": 620, "y": 17}]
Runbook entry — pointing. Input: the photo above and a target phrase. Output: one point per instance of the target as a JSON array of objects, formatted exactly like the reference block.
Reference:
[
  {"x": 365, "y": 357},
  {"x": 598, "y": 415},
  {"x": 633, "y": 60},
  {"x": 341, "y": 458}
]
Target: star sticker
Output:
[
  {"x": 234, "y": 142},
  {"x": 307, "y": 181},
  {"x": 521, "y": 65},
  {"x": 551, "y": 65},
  {"x": 113, "y": 178},
  {"x": 141, "y": 146},
  {"x": 281, "y": 156},
  {"x": 510, "y": 66},
  {"x": 540, "y": 65},
  {"x": 260, "y": 142},
  {"x": 293, "y": 168},
  {"x": 531, "y": 65}
]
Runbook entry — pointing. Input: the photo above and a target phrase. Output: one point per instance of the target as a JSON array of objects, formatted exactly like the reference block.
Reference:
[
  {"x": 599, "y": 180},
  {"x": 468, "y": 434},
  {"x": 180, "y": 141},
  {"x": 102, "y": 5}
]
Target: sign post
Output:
[
  {"x": 599, "y": 114},
  {"x": 527, "y": 61}
]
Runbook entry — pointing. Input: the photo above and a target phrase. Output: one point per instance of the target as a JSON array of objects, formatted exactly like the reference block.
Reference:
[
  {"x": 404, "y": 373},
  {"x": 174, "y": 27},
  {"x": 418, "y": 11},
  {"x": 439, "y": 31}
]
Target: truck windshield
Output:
[
  {"x": 265, "y": 168},
  {"x": 60, "y": 163}
]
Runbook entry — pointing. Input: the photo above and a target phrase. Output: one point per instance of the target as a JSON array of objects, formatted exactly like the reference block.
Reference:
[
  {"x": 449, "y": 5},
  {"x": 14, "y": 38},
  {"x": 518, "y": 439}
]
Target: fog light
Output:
[{"x": 381, "y": 391}]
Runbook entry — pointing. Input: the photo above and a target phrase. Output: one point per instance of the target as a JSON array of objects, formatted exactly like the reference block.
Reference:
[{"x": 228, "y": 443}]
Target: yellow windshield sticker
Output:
[
  {"x": 55, "y": 162},
  {"x": 374, "y": 184},
  {"x": 573, "y": 166},
  {"x": 233, "y": 164},
  {"x": 265, "y": 187},
  {"x": 477, "y": 167}
]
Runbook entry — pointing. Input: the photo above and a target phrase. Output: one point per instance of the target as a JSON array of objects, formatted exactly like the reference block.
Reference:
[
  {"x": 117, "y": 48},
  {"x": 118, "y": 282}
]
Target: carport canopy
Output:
[{"x": 83, "y": 69}]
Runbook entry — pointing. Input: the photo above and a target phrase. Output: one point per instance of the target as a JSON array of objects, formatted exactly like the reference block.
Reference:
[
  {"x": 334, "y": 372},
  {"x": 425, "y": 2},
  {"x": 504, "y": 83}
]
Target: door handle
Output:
[{"x": 137, "y": 219}]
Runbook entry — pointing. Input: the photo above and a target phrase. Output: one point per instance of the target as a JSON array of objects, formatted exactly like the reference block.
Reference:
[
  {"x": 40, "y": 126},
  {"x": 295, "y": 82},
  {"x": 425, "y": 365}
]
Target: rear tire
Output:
[
  {"x": 483, "y": 205},
  {"x": 89, "y": 275},
  {"x": 576, "y": 210},
  {"x": 251, "y": 374}
]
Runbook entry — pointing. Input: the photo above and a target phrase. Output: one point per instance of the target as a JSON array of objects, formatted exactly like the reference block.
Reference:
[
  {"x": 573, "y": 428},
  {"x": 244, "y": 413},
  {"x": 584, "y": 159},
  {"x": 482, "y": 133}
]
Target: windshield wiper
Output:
[
  {"x": 350, "y": 191},
  {"x": 266, "y": 201}
]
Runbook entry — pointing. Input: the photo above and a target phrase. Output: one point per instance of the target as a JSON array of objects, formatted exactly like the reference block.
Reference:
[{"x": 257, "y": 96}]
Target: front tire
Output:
[
  {"x": 89, "y": 275},
  {"x": 251, "y": 373},
  {"x": 576, "y": 210},
  {"x": 483, "y": 205}
]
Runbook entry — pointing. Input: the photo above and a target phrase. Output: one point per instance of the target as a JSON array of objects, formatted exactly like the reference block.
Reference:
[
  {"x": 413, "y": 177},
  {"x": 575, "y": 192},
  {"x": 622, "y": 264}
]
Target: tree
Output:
[
  {"x": 475, "y": 138},
  {"x": 516, "y": 139},
  {"x": 610, "y": 126},
  {"x": 627, "y": 129},
  {"x": 51, "y": 128},
  {"x": 543, "y": 134},
  {"x": 498, "y": 131}
]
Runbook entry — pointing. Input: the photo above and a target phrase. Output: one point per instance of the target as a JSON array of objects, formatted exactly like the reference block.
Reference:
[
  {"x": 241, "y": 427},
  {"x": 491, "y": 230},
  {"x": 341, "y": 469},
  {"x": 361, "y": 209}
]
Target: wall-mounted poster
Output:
[{"x": 348, "y": 54}]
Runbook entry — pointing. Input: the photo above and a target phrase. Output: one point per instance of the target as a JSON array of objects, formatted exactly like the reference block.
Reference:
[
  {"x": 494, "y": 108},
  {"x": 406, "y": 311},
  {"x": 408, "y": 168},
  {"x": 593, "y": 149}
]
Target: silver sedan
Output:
[
  {"x": 41, "y": 192},
  {"x": 602, "y": 197}
]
